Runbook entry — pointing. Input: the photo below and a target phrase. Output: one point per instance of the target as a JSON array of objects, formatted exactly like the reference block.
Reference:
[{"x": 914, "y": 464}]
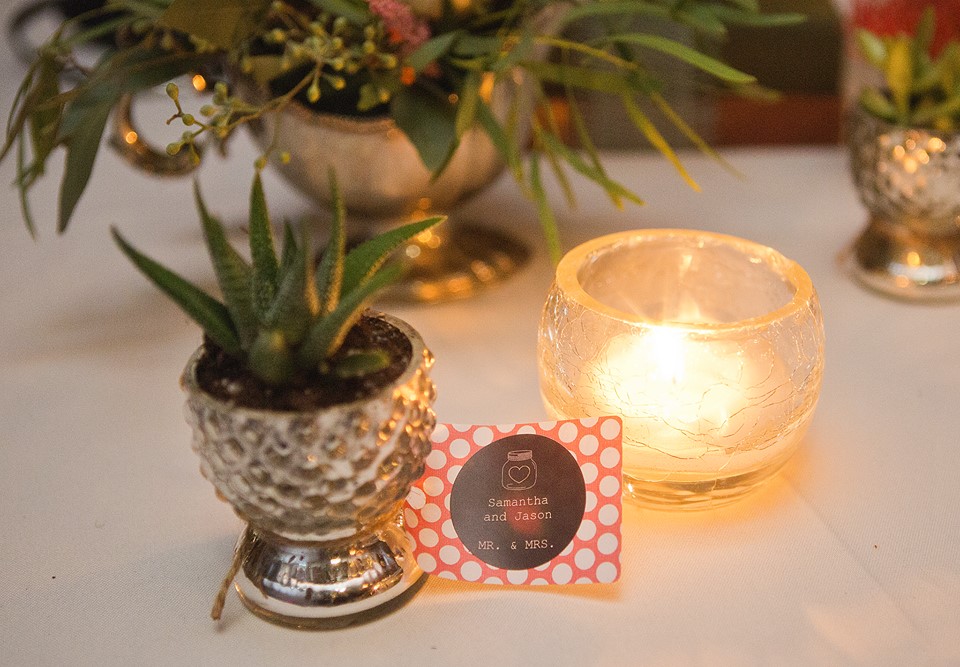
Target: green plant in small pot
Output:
[
  {"x": 904, "y": 139},
  {"x": 310, "y": 414}
]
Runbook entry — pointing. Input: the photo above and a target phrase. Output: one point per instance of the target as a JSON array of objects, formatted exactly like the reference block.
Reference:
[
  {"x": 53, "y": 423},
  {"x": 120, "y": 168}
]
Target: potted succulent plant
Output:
[
  {"x": 311, "y": 416},
  {"x": 422, "y": 74},
  {"x": 904, "y": 139}
]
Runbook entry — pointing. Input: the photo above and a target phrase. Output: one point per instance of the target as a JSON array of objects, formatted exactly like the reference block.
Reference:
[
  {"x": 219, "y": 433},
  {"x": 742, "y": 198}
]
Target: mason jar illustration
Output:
[{"x": 520, "y": 470}]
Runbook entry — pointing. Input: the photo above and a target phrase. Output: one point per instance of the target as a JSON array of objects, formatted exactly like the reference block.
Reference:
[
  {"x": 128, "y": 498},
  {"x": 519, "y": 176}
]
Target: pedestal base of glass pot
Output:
[
  {"x": 326, "y": 585},
  {"x": 456, "y": 260},
  {"x": 902, "y": 262}
]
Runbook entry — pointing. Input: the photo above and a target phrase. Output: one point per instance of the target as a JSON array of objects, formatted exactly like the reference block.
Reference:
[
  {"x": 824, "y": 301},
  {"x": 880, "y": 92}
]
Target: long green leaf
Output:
[
  {"x": 262, "y": 253},
  {"x": 652, "y": 134},
  {"x": 365, "y": 260},
  {"x": 547, "y": 220},
  {"x": 467, "y": 104},
  {"x": 212, "y": 316},
  {"x": 614, "y": 189},
  {"x": 232, "y": 271},
  {"x": 329, "y": 277},
  {"x": 615, "y": 8},
  {"x": 733, "y": 16},
  {"x": 682, "y": 52},
  {"x": 326, "y": 335},
  {"x": 505, "y": 143},
  {"x": 677, "y": 121},
  {"x": 591, "y": 78}
]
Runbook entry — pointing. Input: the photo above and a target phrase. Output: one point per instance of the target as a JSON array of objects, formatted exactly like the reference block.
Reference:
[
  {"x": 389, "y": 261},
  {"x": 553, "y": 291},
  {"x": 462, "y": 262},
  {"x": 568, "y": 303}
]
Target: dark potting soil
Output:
[{"x": 225, "y": 378}]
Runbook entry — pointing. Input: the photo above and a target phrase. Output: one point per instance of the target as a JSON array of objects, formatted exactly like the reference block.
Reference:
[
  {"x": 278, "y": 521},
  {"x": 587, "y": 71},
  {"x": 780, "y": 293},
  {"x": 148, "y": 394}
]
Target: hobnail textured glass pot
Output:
[
  {"x": 709, "y": 348},
  {"x": 322, "y": 492},
  {"x": 909, "y": 180}
]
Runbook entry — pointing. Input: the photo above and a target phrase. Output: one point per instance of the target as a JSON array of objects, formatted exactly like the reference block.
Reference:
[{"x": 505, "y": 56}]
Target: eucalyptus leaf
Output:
[
  {"x": 82, "y": 153},
  {"x": 222, "y": 23},
  {"x": 429, "y": 122},
  {"x": 433, "y": 49},
  {"x": 356, "y": 12}
]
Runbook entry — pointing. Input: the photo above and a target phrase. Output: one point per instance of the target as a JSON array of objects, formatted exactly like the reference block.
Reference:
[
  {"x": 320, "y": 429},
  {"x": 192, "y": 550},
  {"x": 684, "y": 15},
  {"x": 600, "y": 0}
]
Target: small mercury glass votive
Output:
[{"x": 709, "y": 347}]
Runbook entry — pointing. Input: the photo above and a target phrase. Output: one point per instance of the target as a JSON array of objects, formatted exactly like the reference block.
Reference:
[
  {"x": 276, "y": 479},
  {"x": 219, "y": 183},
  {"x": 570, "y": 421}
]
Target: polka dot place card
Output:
[{"x": 532, "y": 504}]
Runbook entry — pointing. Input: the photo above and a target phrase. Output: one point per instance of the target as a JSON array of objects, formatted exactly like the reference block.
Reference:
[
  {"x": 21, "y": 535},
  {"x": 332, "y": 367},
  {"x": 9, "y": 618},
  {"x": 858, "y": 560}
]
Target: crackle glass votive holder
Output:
[{"x": 709, "y": 348}]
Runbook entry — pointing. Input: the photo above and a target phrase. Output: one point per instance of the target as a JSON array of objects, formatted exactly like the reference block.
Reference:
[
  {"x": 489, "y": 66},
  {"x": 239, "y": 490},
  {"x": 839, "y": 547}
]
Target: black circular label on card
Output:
[{"x": 518, "y": 502}]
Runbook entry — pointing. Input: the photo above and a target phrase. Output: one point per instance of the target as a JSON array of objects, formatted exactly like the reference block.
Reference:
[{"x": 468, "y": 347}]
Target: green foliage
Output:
[
  {"x": 432, "y": 73},
  {"x": 282, "y": 317},
  {"x": 919, "y": 90}
]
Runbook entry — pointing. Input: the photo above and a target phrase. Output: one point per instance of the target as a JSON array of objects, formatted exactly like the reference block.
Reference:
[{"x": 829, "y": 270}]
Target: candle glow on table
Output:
[{"x": 710, "y": 349}]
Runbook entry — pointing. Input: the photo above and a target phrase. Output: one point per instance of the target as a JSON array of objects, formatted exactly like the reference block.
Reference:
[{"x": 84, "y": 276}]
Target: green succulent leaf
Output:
[
  {"x": 360, "y": 364},
  {"x": 874, "y": 102},
  {"x": 899, "y": 72},
  {"x": 262, "y": 253},
  {"x": 232, "y": 271},
  {"x": 327, "y": 333},
  {"x": 872, "y": 47},
  {"x": 362, "y": 262},
  {"x": 329, "y": 277},
  {"x": 290, "y": 311},
  {"x": 270, "y": 358},
  {"x": 923, "y": 33},
  {"x": 212, "y": 316},
  {"x": 289, "y": 252}
]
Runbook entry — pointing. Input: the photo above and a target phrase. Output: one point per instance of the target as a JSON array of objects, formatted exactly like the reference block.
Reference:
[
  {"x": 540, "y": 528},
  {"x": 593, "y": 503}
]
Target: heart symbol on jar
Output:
[{"x": 518, "y": 474}]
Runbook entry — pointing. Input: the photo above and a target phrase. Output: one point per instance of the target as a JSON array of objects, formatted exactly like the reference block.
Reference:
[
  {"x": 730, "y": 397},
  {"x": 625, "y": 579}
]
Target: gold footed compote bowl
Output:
[{"x": 384, "y": 183}]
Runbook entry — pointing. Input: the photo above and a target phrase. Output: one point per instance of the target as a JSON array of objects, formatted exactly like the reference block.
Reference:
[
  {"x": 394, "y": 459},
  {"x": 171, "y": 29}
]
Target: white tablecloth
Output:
[{"x": 113, "y": 545}]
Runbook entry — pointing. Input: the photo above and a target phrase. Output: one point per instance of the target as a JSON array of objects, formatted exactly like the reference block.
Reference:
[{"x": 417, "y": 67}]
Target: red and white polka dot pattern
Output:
[{"x": 593, "y": 556}]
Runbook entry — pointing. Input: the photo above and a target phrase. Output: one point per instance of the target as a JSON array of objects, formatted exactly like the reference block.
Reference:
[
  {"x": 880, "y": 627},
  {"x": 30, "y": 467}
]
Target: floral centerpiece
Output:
[{"x": 427, "y": 64}]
